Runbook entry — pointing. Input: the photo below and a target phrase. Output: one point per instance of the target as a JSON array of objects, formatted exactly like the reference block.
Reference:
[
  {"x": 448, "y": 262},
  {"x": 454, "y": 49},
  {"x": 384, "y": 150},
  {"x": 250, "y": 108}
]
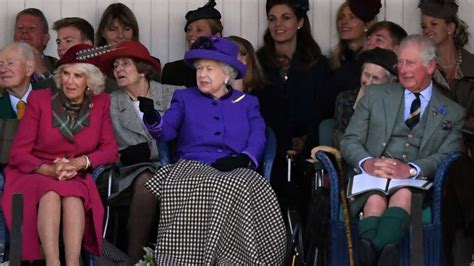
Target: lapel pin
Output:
[{"x": 238, "y": 99}]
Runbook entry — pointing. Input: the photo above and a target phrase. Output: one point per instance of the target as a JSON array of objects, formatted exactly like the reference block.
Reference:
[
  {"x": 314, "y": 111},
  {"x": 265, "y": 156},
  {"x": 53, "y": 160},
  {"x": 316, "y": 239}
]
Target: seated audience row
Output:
[{"x": 295, "y": 84}]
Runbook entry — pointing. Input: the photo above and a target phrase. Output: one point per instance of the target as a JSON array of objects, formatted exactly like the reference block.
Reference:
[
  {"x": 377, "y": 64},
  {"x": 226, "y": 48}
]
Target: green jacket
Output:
[{"x": 374, "y": 119}]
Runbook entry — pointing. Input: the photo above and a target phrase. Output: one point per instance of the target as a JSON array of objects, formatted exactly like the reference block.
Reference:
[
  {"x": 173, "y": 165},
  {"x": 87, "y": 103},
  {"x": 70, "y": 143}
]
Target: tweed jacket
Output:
[
  {"x": 207, "y": 129},
  {"x": 129, "y": 128},
  {"x": 373, "y": 122}
]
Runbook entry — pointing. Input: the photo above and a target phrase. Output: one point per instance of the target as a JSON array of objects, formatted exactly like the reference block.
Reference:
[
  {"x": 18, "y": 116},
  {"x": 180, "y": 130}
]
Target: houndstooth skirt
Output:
[{"x": 212, "y": 217}]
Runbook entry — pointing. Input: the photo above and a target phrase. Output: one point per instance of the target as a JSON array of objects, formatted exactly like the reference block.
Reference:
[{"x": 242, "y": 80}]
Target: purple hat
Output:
[{"x": 218, "y": 49}]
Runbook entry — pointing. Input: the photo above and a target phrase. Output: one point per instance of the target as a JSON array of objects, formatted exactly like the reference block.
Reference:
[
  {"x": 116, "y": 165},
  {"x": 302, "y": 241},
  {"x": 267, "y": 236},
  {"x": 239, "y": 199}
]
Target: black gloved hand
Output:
[
  {"x": 150, "y": 115},
  {"x": 134, "y": 154},
  {"x": 232, "y": 162}
]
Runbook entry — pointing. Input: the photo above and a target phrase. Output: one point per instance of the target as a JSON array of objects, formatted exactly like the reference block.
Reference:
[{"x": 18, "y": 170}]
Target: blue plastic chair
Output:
[{"x": 432, "y": 232}]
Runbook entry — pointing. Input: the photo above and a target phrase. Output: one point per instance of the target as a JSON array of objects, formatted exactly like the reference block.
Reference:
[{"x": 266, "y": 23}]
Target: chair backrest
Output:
[
  {"x": 326, "y": 132},
  {"x": 269, "y": 154}
]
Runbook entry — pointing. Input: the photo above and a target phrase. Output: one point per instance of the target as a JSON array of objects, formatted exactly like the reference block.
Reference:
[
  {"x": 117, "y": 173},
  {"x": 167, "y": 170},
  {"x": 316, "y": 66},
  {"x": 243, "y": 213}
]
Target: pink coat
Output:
[{"x": 37, "y": 142}]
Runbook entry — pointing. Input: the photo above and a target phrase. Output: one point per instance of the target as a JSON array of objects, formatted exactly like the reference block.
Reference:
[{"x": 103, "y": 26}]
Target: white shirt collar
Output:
[
  {"x": 424, "y": 94},
  {"x": 14, "y": 100}
]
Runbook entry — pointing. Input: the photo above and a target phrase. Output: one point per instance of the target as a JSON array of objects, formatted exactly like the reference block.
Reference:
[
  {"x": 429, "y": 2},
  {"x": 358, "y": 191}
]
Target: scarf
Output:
[{"x": 69, "y": 117}]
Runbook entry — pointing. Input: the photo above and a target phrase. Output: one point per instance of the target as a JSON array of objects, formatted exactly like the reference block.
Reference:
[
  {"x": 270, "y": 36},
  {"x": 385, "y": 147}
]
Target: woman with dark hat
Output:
[
  {"x": 378, "y": 67},
  {"x": 204, "y": 21},
  {"x": 62, "y": 136},
  {"x": 132, "y": 66},
  {"x": 441, "y": 23},
  {"x": 353, "y": 19},
  {"x": 296, "y": 73},
  {"x": 455, "y": 78},
  {"x": 214, "y": 208}
]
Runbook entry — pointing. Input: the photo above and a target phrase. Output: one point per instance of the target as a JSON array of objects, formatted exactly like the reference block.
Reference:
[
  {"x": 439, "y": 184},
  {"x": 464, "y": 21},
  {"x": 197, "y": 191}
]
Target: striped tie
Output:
[
  {"x": 20, "y": 107},
  {"x": 415, "y": 111}
]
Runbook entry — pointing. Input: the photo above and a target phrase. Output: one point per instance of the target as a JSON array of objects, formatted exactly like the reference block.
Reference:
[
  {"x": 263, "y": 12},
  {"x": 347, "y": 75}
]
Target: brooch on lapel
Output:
[
  {"x": 439, "y": 110},
  {"x": 447, "y": 124},
  {"x": 238, "y": 99}
]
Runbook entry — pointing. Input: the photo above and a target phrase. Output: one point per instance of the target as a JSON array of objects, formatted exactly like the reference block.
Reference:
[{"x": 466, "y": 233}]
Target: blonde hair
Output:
[
  {"x": 337, "y": 56},
  {"x": 95, "y": 78},
  {"x": 461, "y": 34}
]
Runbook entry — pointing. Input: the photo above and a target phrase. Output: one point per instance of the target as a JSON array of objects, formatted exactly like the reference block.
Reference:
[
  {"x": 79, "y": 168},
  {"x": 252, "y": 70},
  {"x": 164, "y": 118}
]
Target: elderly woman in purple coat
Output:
[{"x": 214, "y": 207}]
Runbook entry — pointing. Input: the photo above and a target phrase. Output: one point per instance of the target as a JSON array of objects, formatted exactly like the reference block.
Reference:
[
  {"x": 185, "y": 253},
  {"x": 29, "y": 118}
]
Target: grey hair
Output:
[
  {"x": 26, "y": 50},
  {"x": 428, "y": 49},
  {"x": 228, "y": 70},
  {"x": 95, "y": 78},
  {"x": 390, "y": 77}
]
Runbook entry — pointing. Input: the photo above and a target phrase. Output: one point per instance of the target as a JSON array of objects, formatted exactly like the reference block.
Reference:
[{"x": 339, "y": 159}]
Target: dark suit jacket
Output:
[
  {"x": 179, "y": 74},
  {"x": 6, "y": 110}
]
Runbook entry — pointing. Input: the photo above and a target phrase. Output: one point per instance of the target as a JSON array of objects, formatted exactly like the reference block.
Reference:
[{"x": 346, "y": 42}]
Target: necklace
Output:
[{"x": 457, "y": 62}]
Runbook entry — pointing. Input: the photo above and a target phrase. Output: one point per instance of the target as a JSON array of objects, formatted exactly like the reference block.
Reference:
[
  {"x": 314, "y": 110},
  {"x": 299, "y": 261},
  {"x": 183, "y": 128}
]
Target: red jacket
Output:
[{"x": 37, "y": 142}]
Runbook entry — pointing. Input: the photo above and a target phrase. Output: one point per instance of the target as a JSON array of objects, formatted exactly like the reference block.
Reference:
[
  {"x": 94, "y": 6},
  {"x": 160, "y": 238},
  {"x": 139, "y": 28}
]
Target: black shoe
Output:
[
  {"x": 367, "y": 253},
  {"x": 389, "y": 255}
]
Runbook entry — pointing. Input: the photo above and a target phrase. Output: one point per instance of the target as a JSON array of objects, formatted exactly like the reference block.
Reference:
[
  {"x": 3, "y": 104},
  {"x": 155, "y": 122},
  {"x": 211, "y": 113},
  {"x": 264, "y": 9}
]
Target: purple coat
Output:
[{"x": 207, "y": 129}]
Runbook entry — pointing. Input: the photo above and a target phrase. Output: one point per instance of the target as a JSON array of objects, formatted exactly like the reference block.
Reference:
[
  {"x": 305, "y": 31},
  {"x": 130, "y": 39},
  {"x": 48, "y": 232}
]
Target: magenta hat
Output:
[
  {"x": 130, "y": 49},
  {"x": 82, "y": 53},
  {"x": 218, "y": 49}
]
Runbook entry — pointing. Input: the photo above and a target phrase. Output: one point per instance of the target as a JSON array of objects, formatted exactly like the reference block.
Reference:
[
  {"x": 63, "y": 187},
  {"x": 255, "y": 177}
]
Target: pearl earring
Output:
[{"x": 299, "y": 27}]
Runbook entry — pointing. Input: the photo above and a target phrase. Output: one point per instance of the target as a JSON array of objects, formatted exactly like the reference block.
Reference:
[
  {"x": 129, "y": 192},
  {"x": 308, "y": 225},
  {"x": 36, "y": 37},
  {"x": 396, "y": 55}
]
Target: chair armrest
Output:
[
  {"x": 101, "y": 169},
  {"x": 269, "y": 154},
  {"x": 333, "y": 183},
  {"x": 438, "y": 184},
  {"x": 164, "y": 153}
]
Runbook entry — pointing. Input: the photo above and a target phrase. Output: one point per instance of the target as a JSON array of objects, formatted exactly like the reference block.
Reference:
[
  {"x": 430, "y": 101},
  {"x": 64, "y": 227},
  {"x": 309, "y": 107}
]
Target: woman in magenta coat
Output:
[{"x": 62, "y": 136}]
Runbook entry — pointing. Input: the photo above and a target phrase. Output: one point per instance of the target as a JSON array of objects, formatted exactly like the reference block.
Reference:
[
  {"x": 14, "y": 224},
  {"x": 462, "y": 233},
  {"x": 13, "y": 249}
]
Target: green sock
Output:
[
  {"x": 392, "y": 227},
  {"x": 368, "y": 227}
]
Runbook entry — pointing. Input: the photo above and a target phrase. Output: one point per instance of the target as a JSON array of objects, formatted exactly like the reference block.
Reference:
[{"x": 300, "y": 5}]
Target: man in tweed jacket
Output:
[{"x": 400, "y": 131}]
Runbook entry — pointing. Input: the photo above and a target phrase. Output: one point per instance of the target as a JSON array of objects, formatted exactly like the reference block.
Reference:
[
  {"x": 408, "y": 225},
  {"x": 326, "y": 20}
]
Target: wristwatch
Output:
[{"x": 413, "y": 172}]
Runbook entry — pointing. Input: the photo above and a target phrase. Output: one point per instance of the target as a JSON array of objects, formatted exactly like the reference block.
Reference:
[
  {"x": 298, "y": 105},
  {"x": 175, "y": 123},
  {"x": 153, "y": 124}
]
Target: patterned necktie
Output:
[
  {"x": 20, "y": 107},
  {"x": 415, "y": 111}
]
